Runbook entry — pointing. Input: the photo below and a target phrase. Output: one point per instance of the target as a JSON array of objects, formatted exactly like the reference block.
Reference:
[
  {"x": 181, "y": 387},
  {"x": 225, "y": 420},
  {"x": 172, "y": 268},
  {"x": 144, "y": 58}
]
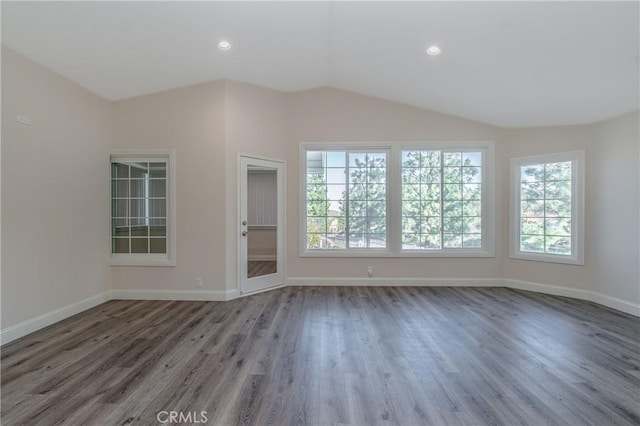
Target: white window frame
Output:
[
  {"x": 150, "y": 259},
  {"x": 394, "y": 199},
  {"x": 577, "y": 159}
]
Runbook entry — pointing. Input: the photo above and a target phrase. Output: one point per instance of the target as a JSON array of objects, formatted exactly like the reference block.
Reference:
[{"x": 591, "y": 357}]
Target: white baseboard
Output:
[
  {"x": 29, "y": 326},
  {"x": 186, "y": 295},
  {"x": 14, "y": 332},
  {"x": 262, "y": 258},
  {"x": 592, "y": 296},
  {"x": 397, "y": 282},
  {"x": 615, "y": 303}
]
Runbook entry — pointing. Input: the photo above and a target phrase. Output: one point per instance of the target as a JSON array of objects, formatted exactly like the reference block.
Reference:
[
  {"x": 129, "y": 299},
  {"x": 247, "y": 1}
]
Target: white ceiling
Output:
[{"x": 510, "y": 64}]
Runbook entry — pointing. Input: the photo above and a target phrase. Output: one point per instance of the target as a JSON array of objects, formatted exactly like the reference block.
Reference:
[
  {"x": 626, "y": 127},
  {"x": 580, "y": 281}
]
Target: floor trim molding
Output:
[
  {"x": 186, "y": 295},
  {"x": 29, "y": 326},
  {"x": 396, "y": 282}
]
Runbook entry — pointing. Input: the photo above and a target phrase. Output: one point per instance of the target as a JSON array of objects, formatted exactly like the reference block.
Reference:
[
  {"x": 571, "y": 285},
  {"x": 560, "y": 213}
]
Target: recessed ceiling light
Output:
[
  {"x": 433, "y": 50},
  {"x": 224, "y": 45}
]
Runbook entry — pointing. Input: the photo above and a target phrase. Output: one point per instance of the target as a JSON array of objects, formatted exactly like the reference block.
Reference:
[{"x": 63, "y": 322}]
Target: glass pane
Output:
[
  {"x": 532, "y": 226},
  {"x": 558, "y": 245},
  {"x": 533, "y": 243},
  {"x": 452, "y": 208},
  {"x": 336, "y": 159},
  {"x": 471, "y": 174},
  {"x": 357, "y": 240},
  {"x": 410, "y": 241},
  {"x": 335, "y": 192},
  {"x": 472, "y": 208},
  {"x": 532, "y": 173},
  {"x": 452, "y": 192},
  {"x": 138, "y": 187},
  {"x": 558, "y": 189},
  {"x": 411, "y": 192},
  {"x": 335, "y": 241},
  {"x": 558, "y": 227},
  {"x": 377, "y": 159},
  {"x": 157, "y": 208},
  {"x": 138, "y": 208},
  {"x": 140, "y": 231},
  {"x": 431, "y": 225},
  {"x": 120, "y": 245},
  {"x": 119, "y": 170},
  {"x": 336, "y": 225},
  {"x": 316, "y": 224},
  {"x": 533, "y": 208},
  {"x": 452, "y": 174},
  {"x": 358, "y": 225},
  {"x": 139, "y": 170},
  {"x": 410, "y": 159},
  {"x": 471, "y": 241},
  {"x": 157, "y": 170},
  {"x": 119, "y": 188},
  {"x": 471, "y": 191},
  {"x": 357, "y": 208},
  {"x": 557, "y": 208},
  {"x": 472, "y": 159},
  {"x": 410, "y": 175},
  {"x": 430, "y": 175},
  {"x": 452, "y": 225},
  {"x": 317, "y": 208},
  {"x": 377, "y": 225},
  {"x": 158, "y": 228},
  {"x": 376, "y": 176},
  {"x": 315, "y": 161},
  {"x": 411, "y": 224},
  {"x": 376, "y": 209},
  {"x": 431, "y": 242},
  {"x": 430, "y": 191},
  {"x": 558, "y": 171},
  {"x": 377, "y": 240},
  {"x": 157, "y": 188},
  {"x": 430, "y": 159},
  {"x": 139, "y": 245},
  {"x": 452, "y": 241},
  {"x": 336, "y": 176},
  {"x": 532, "y": 191},
  {"x": 472, "y": 225},
  {"x": 119, "y": 208},
  {"x": 157, "y": 245},
  {"x": 430, "y": 208},
  {"x": 357, "y": 160},
  {"x": 452, "y": 158},
  {"x": 120, "y": 227}
]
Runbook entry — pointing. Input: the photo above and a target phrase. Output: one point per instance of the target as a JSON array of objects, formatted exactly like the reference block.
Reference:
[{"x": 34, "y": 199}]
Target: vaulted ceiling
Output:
[{"x": 510, "y": 64}]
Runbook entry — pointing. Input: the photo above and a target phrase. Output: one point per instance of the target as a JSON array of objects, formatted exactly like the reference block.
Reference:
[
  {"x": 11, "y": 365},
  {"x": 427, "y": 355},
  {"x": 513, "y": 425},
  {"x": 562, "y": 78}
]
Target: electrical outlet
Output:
[
  {"x": 199, "y": 282},
  {"x": 370, "y": 271},
  {"x": 23, "y": 119}
]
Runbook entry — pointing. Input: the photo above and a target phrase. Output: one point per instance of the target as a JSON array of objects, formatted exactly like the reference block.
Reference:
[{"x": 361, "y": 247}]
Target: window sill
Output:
[
  {"x": 141, "y": 260},
  {"x": 396, "y": 255},
  {"x": 550, "y": 258}
]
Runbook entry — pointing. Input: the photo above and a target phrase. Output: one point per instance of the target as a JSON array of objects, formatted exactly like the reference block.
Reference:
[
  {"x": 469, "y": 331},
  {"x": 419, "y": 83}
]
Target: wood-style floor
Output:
[{"x": 325, "y": 356}]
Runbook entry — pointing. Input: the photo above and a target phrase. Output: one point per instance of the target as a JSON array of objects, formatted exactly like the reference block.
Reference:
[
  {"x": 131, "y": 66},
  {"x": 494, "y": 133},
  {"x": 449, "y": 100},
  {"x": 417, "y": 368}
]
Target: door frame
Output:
[{"x": 242, "y": 253}]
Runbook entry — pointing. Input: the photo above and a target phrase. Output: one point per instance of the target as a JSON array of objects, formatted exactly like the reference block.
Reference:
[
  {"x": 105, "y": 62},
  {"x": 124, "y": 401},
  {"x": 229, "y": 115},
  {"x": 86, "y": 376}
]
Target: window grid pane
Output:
[
  {"x": 545, "y": 208},
  {"x": 346, "y": 199},
  {"x": 445, "y": 187},
  {"x": 139, "y": 207}
]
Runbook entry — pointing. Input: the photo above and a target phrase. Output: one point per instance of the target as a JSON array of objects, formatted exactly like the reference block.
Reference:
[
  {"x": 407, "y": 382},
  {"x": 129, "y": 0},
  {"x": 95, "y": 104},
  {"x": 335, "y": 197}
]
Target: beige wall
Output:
[
  {"x": 191, "y": 121},
  {"x": 331, "y": 115},
  {"x": 55, "y": 201},
  {"x": 611, "y": 210},
  {"x": 61, "y": 165},
  {"x": 256, "y": 124}
]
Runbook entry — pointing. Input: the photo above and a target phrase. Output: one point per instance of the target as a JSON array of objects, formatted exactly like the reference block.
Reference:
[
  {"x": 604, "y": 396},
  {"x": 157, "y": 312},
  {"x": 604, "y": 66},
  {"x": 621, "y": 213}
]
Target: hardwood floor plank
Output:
[{"x": 332, "y": 355}]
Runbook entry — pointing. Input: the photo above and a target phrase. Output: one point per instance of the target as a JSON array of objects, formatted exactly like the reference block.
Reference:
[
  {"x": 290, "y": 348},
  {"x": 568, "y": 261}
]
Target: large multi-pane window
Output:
[
  {"x": 346, "y": 204},
  {"x": 546, "y": 207},
  {"x": 441, "y": 199},
  {"x": 393, "y": 200},
  {"x": 140, "y": 194}
]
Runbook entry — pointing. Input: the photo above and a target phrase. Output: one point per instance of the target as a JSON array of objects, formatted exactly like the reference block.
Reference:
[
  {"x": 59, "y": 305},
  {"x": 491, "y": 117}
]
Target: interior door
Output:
[{"x": 261, "y": 224}]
